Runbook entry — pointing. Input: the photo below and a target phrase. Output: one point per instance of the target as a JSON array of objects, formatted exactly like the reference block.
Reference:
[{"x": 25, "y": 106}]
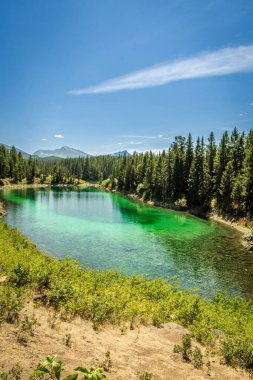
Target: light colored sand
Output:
[
  {"x": 132, "y": 352},
  {"x": 239, "y": 227}
]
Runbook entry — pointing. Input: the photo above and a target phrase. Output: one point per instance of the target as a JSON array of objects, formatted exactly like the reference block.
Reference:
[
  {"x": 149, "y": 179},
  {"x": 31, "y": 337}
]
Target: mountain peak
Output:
[
  {"x": 121, "y": 153},
  {"x": 63, "y": 152}
]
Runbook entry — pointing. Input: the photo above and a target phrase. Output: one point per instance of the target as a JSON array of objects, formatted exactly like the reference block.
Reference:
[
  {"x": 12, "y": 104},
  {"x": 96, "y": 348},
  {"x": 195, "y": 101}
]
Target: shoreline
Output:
[
  {"x": 246, "y": 232},
  {"x": 23, "y": 186},
  {"x": 44, "y": 185},
  {"x": 3, "y": 211},
  {"x": 234, "y": 224},
  {"x": 212, "y": 216}
]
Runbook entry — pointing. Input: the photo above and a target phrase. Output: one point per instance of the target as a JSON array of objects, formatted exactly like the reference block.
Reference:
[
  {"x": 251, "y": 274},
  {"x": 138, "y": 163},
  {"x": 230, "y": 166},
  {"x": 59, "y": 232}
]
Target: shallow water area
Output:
[{"x": 104, "y": 230}]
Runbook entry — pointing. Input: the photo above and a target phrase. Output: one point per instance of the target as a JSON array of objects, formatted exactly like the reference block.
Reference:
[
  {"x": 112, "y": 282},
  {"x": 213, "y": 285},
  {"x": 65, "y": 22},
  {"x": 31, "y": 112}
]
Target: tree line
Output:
[
  {"x": 200, "y": 174},
  {"x": 188, "y": 174}
]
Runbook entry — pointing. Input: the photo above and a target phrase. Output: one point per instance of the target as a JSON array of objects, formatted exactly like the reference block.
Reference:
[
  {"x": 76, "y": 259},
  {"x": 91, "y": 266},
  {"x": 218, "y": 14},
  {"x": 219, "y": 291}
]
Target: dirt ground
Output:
[{"x": 132, "y": 352}]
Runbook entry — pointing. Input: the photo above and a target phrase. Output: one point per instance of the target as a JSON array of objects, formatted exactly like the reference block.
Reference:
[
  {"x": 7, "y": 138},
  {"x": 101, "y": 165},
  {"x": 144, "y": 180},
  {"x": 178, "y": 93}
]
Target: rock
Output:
[
  {"x": 218, "y": 332},
  {"x": 247, "y": 242},
  {"x": 3, "y": 211}
]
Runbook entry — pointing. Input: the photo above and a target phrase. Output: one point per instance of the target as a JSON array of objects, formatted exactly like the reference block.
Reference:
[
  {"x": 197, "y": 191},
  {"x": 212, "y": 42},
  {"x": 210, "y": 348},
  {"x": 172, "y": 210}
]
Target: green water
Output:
[{"x": 104, "y": 230}]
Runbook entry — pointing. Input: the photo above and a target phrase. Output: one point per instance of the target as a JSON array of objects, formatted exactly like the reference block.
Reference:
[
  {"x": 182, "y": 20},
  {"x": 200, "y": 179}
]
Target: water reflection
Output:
[{"x": 106, "y": 230}]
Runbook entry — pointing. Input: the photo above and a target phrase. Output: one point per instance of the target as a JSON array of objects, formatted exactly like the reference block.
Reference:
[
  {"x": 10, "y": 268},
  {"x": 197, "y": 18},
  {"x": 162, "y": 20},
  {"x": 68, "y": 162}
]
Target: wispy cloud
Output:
[
  {"x": 157, "y": 137},
  {"x": 43, "y": 139},
  {"x": 251, "y": 104},
  {"x": 135, "y": 142},
  {"x": 221, "y": 62},
  {"x": 59, "y": 136}
]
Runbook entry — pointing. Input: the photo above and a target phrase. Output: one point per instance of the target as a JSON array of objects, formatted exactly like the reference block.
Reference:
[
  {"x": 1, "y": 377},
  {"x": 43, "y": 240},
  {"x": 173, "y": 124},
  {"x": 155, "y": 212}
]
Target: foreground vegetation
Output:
[
  {"x": 224, "y": 325},
  {"x": 186, "y": 175}
]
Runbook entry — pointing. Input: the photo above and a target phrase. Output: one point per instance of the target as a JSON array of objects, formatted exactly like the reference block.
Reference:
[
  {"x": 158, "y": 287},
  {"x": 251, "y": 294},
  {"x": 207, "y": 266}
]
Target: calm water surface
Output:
[{"x": 104, "y": 230}]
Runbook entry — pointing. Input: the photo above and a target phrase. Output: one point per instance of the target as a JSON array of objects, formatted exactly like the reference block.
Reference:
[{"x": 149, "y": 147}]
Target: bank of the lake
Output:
[
  {"x": 3, "y": 211},
  {"x": 244, "y": 226},
  {"x": 104, "y": 230}
]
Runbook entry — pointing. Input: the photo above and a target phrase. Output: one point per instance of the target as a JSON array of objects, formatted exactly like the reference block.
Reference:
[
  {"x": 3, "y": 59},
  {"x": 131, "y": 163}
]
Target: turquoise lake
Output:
[{"x": 103, "y": 230}]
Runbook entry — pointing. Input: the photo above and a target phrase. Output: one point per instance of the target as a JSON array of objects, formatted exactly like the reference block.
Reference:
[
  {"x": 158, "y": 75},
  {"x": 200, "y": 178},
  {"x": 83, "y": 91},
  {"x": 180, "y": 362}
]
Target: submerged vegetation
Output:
[
  {"x": 201, "y": 174},
  {"x": 224, "y": 325}
]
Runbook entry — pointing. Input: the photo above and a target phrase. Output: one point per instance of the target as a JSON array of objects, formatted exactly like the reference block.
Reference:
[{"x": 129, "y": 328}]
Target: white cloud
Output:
[
  {"x": 59, "y": 136},
  {"x": 251, "y": 104},
  {"x": 159, "y": 137},
  {"x": 221, "y": 62},
  {"x": 43, "y": 139},
  {"x": 136, "y": 142}
]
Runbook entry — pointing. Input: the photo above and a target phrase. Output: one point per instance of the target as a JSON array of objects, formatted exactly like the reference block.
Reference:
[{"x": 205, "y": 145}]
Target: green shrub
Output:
[
  {"x": 145, "y": 376},
  {"x": 52, "y": 369},
  {"x": 13, "y": 374},
  {"x": 197, "y": 358},
  {"x": 181, "y": 203},
  {"x": 186, "y": 347}
]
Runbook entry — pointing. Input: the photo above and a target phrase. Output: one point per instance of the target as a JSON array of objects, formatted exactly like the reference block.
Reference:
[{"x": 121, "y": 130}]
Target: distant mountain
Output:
[
  {"x": 63, "y": 152},
  {"x": 121, "y": 153},
  {"x": 24, "y": 154}
]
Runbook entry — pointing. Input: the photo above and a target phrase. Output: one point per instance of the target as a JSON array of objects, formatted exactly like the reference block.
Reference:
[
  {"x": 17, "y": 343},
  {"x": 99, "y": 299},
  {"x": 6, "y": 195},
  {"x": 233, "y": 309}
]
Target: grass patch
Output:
[{"x": 111, "y": 297}]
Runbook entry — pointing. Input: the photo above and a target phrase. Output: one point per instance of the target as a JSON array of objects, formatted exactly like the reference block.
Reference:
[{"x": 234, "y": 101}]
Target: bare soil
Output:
[
  {"x": 132, "y": 352},
  {"x": 238, "y": 225}
]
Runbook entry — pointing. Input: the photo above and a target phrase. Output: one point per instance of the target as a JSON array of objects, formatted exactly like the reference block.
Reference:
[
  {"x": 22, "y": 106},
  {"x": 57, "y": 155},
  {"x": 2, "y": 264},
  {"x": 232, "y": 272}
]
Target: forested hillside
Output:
[{"x": 188, "y": 174}]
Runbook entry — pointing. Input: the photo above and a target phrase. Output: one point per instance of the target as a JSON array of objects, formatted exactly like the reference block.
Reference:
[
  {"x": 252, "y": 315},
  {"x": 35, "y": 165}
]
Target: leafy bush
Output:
[
  {"x": 51, "y": 369},
  {"x": 186, "y": 347},
  {"x": 197, "y": 358},
  {"x": 181, "y": 203},
  {"x": 145, "y": 376},
  {"x": 13, "y": 374},
  {"x": 188, "y": 355}
]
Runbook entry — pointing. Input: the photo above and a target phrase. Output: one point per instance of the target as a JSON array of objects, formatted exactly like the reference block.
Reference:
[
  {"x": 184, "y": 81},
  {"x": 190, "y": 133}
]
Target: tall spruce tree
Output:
[
  {"x": 196, "y": 178},
  {"x": 221, "y": 162},
  {"x": 210, "y": 161},
  {"x": 248, "y": 174}
]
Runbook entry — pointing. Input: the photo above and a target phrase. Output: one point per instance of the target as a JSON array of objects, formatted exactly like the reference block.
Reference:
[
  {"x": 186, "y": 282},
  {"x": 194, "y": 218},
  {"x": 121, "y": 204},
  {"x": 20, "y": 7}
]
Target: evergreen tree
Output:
[
  {"x": 196, "y": 177},
  {"x": 248, "y": 174},
  {"x": 210, "y": 160},
  {"x": 221, "y": 162}
]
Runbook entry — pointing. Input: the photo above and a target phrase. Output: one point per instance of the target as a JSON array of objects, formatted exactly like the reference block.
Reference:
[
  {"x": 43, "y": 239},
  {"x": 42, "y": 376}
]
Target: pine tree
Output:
[
  {"x": 188, "y": 162},
  {"x": 248, "y": 174},
  {"x": 196, "y": 178},
  {"x": 210, "y": 160},
  {"x": 221, "y": 162},
  {"x": 226, "y": 187}
]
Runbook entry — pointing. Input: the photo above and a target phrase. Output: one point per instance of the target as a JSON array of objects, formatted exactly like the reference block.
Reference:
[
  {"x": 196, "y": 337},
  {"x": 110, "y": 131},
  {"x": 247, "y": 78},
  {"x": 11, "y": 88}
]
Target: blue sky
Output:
[{"x": 104, "y": 76}]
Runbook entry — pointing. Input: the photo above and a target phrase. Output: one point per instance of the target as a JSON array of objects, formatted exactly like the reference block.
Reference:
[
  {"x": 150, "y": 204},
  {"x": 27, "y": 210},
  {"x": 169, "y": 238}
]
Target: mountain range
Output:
[{"x": 63, "y": 152}]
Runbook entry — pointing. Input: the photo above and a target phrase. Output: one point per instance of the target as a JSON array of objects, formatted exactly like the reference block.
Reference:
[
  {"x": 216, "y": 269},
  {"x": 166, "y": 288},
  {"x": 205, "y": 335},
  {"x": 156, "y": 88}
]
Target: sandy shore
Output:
[
  {"x": 236, "y": 225},
  {"x": 39, "y": 185},
  {"x": 20, "y": 186}
]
